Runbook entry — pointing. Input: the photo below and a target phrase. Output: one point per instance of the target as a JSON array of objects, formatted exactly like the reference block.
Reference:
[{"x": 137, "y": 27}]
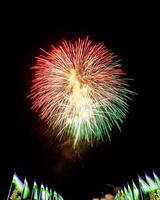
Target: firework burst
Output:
[{"x": 79, "y": 88}]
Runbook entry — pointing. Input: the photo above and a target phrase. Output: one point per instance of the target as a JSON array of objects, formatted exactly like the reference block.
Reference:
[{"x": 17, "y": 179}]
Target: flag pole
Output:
[
  {"x": 40, "y": 192},
  {"x": 23, "y": 188},
  {"x": 9, "y": 191},
  {"x": 10, "y": 188},
  {"x": 32, "y": 192},
  {"x": 140, "y": 191}
]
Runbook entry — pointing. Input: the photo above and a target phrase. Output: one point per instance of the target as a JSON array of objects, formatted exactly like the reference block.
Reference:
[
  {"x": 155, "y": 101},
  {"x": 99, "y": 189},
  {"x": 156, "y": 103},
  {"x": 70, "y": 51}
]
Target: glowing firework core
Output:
[
  {"x": 79, "y": 88},
  {"x": 79, "y": 98},
  {"x": 80, "y": 104}
]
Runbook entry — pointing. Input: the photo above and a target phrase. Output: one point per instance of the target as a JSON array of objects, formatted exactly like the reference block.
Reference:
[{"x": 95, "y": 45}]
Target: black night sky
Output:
[{"x": 131, "y": 32}]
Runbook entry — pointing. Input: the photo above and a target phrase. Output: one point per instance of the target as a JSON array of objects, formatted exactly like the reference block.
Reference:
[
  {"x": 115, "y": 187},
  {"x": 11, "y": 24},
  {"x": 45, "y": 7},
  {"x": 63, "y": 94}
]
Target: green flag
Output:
[
  {"x": 42, "y": 192},
  {"x": 118, "y": 196},
  {"x": 135, "y": 191},
  {"x": 143, "y": 185},
  {"x": 122, "y": 194},
  {"x": 130, "y": 194},
  {"x": 144, "y": 189},
  {"x": 50, "y": 194},
  {"x": 153, "y": 185},
  {"x": 47, "y": 193},
  {"x": 55, "y": 195},
  {"x": 35, "y": 191},
  {"x": 60, "y": 197},
  {"x": 126, "y": 193},
  {"x": 17, "y": 182},
  {"x": 157, "y": 180},
  {"x": 155, "y": 194},
  {"x": 26, "y": 190}
]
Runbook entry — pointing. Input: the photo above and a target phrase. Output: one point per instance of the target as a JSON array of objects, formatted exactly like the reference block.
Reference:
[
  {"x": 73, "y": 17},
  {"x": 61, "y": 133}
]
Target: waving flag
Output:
[
  {"x": 151, "y": 183},
  {"x": 47, "y": 193},
  {"x": 55, "y": 195},
  {"x": 50, "y": 194},
  {"x": 17, "y": 182},
  {"x": 156, "y": 178},
  {"x": 60, "y": 197},
  {"x": 35, "y": 191},
  {"x": 144, "y": 186},
  {"x": 26, "y": 190},
  {"x": 42, "y": 192},
  {"x": 135, "y": 191},
  {"x": 130, "y": 194}
]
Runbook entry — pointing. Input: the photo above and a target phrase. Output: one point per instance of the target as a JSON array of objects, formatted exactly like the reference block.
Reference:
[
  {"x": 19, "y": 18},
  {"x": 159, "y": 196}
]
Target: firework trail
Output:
[{"x": 79, "y": 89}]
